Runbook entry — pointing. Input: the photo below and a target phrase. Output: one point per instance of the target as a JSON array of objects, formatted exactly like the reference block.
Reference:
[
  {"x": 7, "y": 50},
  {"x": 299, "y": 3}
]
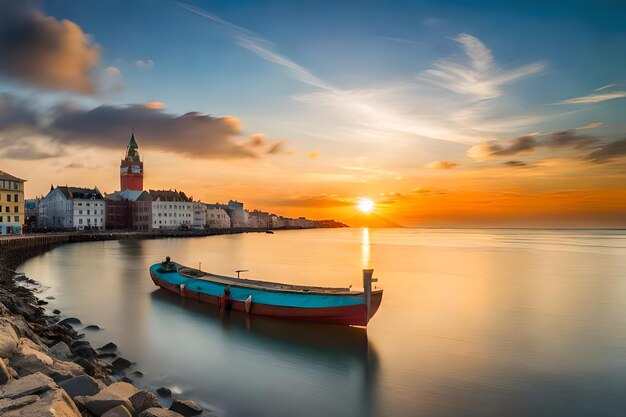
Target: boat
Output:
[{"x": 330, "y": 305}]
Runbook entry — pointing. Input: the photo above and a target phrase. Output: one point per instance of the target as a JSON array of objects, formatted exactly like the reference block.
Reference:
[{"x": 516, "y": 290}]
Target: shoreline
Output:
[{"x": 45, "y": 365}]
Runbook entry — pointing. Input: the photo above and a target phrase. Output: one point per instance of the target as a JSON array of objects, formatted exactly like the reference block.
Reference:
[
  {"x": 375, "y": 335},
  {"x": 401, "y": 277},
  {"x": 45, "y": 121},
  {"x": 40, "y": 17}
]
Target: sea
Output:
[{"x": 473, "y": 322}]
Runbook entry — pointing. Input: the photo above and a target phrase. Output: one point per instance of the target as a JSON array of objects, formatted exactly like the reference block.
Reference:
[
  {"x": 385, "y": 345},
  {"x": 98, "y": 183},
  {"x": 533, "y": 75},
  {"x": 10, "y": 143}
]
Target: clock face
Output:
[
  {"x": 135, "y": 169},
  {"x": 123, "y": 170}
]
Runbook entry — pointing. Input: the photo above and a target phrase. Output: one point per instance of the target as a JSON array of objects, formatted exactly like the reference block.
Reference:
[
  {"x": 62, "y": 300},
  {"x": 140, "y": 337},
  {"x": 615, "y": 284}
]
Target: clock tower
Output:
[{"x": 131, "y": 168}]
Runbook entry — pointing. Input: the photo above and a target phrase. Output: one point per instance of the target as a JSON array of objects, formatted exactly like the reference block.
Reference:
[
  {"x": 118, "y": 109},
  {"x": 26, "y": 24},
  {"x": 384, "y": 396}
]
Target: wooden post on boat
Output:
[{"x": 367, "y": 289}]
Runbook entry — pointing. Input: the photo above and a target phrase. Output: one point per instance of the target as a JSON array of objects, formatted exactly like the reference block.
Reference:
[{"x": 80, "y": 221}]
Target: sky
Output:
[{"x": 443, "y": 113}]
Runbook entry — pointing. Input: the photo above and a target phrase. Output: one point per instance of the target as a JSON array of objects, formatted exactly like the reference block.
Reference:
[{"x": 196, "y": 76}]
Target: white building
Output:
[
  {"x": 171, "y": 210},
  {"x": 72, "y": 208},
  {"x": 216, "y": 217},
  {"x": 199, "y": 215}
]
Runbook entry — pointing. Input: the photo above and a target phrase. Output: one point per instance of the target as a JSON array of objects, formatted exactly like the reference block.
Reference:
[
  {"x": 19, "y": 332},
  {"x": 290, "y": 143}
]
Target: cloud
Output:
[
  {"x": 485, "y": 151},
  {"x": 479, "y": 77},
  {"x": 595, "y": 98},
  {"x": 276, "y": 148},
  {"x": 441, "y": 165},
  {"x": 154, "y": 105},
  {"x": 313, "y": 155},
  {"x": 608, "y": 152},
  {"x": 45, "y": 52},
  {"x": 515, "y": 164},
  {"x": 15, "y": 113},
  {"x": 604, "y": 87},
  {"x": 29, "y": 148},
  {"x": 192, "y": 134},
  {"x": 262, "y": 48},
  {"x": 316, "y": 201},
  {"x": 569, "y": 138},
  {"x": 593, "y": 125},
  {"x": 144, "y": 63}
]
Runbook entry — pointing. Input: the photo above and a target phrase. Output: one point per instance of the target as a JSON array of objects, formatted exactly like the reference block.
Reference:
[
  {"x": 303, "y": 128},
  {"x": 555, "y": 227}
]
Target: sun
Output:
[{"x": 365, "y": 205}]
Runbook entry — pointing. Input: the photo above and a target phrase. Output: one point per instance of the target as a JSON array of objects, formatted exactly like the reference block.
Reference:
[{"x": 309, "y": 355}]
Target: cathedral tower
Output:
[{"x": 131, "y": 168}]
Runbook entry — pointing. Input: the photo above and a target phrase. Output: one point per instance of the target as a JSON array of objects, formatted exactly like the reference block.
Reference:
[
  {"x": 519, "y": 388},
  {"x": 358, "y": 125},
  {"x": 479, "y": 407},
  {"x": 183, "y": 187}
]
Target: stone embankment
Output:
[{"x": 47, "y": 370}]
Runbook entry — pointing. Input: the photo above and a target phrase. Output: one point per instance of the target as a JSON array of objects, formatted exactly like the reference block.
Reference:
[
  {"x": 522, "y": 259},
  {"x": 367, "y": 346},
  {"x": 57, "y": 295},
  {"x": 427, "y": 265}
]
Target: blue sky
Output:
[{"x": 337, "y": 99}]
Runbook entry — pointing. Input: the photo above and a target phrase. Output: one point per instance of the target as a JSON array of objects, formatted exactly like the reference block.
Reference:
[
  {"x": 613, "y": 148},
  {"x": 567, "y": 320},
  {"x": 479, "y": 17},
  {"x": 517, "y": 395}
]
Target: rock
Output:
[
  {"x": 137, "y": 374},
  {"x": 50, "y": 297},
  {"x": 159, "y": 412},
  {"x": 56, "y": 311},
  {"x": 143, "y": 400},
  {"x": 61, "y": 351},
  {"x": 120, "y": 364},
  {"x": 92, "y": 327},
  {"x": 5, "y": 375},
  {"x": 119, "y": 411},
  {"x": 126, "y": 379},
  {"x": 164, "y": 392},
  {"x": 70, "y": 320},
  {"x": 109, "y": 347},
  {"x": 28, "y": 385},
  {"x": 106, "y": 355},
  {"x": 110, "y": 397},
  {"x": 8, "y": 405},
  {"x": 42, "y": 302},
  {"x": 186, "y": 408},
  {"x": 81, "y": 385},
  {"x": 52, "y": 403},
  {"x": 8, "y": 339},
  {"x": 30, "y": 359}
]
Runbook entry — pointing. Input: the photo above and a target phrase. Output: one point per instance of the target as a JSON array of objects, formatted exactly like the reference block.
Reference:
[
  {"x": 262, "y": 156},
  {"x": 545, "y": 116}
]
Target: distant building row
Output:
[{"x": 76, "y": 208}]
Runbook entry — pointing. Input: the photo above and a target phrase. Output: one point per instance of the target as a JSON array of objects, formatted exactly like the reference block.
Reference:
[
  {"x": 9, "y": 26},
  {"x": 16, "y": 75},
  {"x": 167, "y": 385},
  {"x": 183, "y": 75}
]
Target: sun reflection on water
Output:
[{"x": 365, "y": 248}]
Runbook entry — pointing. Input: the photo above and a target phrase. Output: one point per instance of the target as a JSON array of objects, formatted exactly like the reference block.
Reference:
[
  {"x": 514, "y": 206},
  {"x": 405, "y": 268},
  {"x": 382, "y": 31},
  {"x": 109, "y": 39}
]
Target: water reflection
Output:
[
  {"x": 293, "y": 347},
  {"x": 365, "y": 247}
]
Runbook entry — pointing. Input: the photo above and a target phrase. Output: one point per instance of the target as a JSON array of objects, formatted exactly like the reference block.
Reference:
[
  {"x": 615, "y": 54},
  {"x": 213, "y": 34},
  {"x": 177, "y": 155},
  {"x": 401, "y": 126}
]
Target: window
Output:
[
  {"x": 88, "y": 210},
  {"x": 1, "y": 219},
  {"x": 16, "y": 219},
  {"x": 16, "y": 209},
  {"x": 80, "y": 212},
  {"x": 16, "y": 198},
  {"x": 9, "y": 198},
  {"x": 80, "y": 221},
  {"x": 16, "y": 186},
  {"x": 7, "y": 209},
  {"x": 80, "y": 204}
]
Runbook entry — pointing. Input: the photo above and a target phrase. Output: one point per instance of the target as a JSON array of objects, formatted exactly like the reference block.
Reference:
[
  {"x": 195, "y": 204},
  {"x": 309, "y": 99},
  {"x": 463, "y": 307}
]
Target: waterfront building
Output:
[
  {"x": 238, "y": 216},
  {"x": 217, "y": 217},
  {"x": 129, "y": 210},
  {"x": 31, "y": 213},
  {"x": 131, "y": 167},
  {"x": 259, "y": 219},
  {"x": 72, "y": 208},
  {"x": 199, "y": 215},
  {"x": 171, "y": 209},
  {"x": 11, "y": 204}
]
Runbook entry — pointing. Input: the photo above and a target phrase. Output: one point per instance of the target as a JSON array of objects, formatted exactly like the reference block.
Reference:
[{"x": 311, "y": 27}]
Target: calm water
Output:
[{"x": 473, "y": 322}]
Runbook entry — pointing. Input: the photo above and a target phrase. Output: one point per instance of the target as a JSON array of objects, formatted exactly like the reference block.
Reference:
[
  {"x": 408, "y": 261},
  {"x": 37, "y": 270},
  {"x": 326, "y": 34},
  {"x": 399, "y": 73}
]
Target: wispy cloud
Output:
[
  {"x": 604, "y": 87},
  {"x": 595, "y": 98},
  {"x": 262, "y": 48},
  {"x": 479, "y": 76}
]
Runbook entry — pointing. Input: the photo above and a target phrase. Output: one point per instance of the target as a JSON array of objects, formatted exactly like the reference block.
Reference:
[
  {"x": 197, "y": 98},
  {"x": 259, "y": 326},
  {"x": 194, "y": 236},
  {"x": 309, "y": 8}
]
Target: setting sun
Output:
[{"x": 365, "y": 205}]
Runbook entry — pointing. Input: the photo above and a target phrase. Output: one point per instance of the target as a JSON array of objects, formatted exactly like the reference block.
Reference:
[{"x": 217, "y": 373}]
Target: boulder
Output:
[
  {"x": 7, "y": 405},
  {"x": 56, "y": 311},
  {"x": 164, "y": 392},
  {"x": 70, "y": 320},
  {"x": 92, "y": 327},
  {"x": 81, "y": 385},
  {"x": 8, "y": 339},
  {"x": 5, "y": 374},
  {"x": 143, "y": 400},
  {"x": 120, "y": 364},
  {"x": 115, "y": 394},
  {"x": 30, "y": 359},
  {"x": 61, "y": 351},
  {"x": 52, "y": 403},
  {"x": 109, "y": 347},
  {"x": 159, "y": 412},
  {"x": 29, "y": 385},
  {"x": 186, "y": 408},
  {"x": 119, "y": 411}
]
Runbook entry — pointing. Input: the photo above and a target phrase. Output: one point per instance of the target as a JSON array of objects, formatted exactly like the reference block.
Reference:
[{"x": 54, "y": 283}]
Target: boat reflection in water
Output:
[{"x": 284, "y": 364}]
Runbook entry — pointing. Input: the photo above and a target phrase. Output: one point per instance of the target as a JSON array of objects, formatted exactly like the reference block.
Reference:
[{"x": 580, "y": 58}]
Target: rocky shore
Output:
[{"x": 47, "y": 369}]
